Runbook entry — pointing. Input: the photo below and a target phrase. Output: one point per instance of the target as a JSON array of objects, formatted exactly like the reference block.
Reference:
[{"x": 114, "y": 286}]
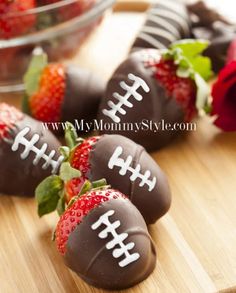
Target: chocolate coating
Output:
[
  {"x": 87, "y": 255},
  {"x": 151, "y": 204},
  {"x": 21, "y": 177},
  {"x": 155, "y": 106},
  {"x": 220, "y": 36},
  {"x": 84, "y": 90},
  {"x": 209, "y": 24},
  {"x": 204, "y": 15},
  {"x": 166, "y": 21}
]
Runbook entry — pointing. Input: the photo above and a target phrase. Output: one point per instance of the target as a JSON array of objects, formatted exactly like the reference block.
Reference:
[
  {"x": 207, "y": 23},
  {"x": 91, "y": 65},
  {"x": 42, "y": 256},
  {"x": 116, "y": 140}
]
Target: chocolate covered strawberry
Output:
[
  {"x": 58, "y": 93},
  {"x": 103, "y": 237},
  {"x": 28, "y": 154},
  {"x": 125, "y": 165},
  {"x": 14, "y": 17},
  {"x": 154, "y": 92},
  {"x": 79, "y": 159}
]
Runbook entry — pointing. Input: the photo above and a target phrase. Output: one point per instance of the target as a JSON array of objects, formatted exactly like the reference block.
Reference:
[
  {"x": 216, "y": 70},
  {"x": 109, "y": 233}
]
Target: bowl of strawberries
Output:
[{"x": 57, "y": 26}]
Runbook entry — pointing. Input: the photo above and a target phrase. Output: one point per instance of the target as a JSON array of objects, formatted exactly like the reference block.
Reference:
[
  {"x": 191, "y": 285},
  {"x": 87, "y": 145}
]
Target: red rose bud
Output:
[{"x": 224, "y": 98}]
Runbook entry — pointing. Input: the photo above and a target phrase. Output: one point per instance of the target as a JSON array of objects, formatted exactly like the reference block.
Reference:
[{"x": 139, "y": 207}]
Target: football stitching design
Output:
[
  {"x": 124, "y": 100},
  {"x": 118, "y": 239},
  {"x": 125, "y": 166},
  {"x": 40, "y": 153}
]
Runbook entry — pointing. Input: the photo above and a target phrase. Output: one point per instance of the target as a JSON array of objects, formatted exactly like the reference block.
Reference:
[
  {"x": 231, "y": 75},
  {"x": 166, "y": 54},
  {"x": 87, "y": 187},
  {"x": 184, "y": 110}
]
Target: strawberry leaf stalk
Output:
[
  {"x": 190, "y": 64},
  {"x": 50, "y": 193},
  {"x": 57, "y": 191}
]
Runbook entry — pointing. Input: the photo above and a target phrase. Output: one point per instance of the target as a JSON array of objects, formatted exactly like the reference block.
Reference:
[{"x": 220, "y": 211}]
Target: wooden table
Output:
[{"x": 196, "y": 240}]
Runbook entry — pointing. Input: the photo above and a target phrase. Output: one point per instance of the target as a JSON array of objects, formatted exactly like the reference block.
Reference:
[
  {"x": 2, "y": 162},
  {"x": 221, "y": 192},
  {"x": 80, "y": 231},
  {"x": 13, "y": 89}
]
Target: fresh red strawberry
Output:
[
  {"x": 60, "y": 93},
  {"x": 172, "y": 89},
  {"x": 78, "y": 210},
  {"x": 79, "y": 160},
  {"x": 45, "y": 105},
  {"x": 183, "y": 90},
  {"x": 8, "y": 117},
  {"x": 73, "y": 187},
  {"x": 80, "y": 156},
  {"x": 13, "y": 21},
  {"x": 104, "y": 239},
  {"x": 96, "y": 158}
]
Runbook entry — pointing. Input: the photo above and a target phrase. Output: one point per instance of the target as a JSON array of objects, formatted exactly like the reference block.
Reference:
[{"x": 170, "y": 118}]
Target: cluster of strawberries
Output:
[{"x": 18, "y": 17}]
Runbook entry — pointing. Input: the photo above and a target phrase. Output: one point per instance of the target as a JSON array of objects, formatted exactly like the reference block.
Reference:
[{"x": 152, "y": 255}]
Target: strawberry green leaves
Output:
[
  {"x": 50, "y": 192},
  {"x": 192, "y": 50},
  {"x": 67, "y": 172},
  {"x": 71, "y": 137},
  {"x": 191, "y": 64},
  {"x": 32, "y": 76}
]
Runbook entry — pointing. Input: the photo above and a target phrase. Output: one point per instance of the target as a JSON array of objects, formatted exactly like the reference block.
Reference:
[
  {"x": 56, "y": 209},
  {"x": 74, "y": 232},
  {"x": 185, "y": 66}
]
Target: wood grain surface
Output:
[{"x": 195, "y": 241}]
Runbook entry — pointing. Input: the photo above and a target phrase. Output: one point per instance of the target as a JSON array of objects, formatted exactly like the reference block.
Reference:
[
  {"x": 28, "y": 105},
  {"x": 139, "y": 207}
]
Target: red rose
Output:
[{"x": 224, "y": 98}]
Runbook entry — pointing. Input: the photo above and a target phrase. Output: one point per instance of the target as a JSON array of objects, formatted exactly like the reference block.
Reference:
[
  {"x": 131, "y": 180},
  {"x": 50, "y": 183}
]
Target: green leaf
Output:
[
  {"x": 65, "y": 152},
  {"x": 87, "y": 186},
  {"x": 70, "y": 135},
  {"x": 190, "y": 47},
  {"x": 61, "y": 205},
  {"x": 25, "y": 105},
  {"x": 67, "y": 172},
  {"x": 187, "y": 53},
  {"x": 202, "y": 65},
  {"x": 32, "y": 76},
  {"x": 99, "y": 183},
  {"x": 203, "y": 92},
  {"x": 48, "y": 194}
]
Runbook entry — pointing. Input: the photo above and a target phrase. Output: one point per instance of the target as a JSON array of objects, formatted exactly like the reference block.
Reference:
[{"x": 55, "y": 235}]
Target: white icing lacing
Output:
[
  {"x": 118, "y": 239},
  {"x": 123, "y": 100},
  {"x": 40, "y": 153},
  {"x": 125, "y": 166},
  {"x": 160, "y": 32},
  {"x": 164, "y": 24},
  {"x": 172, "y": 16},
  {"x": 151, "y": 40}
]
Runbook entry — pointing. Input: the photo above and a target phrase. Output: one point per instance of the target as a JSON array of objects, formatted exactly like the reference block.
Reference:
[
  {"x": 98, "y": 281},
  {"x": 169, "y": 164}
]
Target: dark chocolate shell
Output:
[
  {"x": 111, "y": 248},
  {"x": 130, "y": 169},
  {"x": 166, "y": 21},
  {"x": 148, "y": 110},
  {"x": 21, "y": 177},
  {"x": 84, "y": 91}
]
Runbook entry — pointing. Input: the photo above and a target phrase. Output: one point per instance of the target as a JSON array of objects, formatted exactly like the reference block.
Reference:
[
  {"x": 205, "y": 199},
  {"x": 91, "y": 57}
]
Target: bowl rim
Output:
[
  {"x": 42, "y": 8},
  {"x": 58, "y": 30}
]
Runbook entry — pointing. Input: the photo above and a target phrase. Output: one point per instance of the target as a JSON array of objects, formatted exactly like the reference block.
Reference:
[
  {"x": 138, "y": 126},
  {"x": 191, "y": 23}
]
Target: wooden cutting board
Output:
[{"x": 195, "y": 241}]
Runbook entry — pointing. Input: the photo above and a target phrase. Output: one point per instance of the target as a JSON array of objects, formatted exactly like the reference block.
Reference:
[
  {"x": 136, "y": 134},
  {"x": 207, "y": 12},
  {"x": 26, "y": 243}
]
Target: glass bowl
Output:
[{"x": 59, "y": 29}]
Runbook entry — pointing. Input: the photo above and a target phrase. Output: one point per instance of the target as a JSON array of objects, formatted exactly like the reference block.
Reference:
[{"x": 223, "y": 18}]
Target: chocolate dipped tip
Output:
[
  {"x": 111, "y": 249},
  {"x": 21, "y": 176},
  {"x": 166, "y": 22},
  {"x": 130, "y": 169},
  {"x": 84, "y": 91},
  {"x": 148, "y": 113}
]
